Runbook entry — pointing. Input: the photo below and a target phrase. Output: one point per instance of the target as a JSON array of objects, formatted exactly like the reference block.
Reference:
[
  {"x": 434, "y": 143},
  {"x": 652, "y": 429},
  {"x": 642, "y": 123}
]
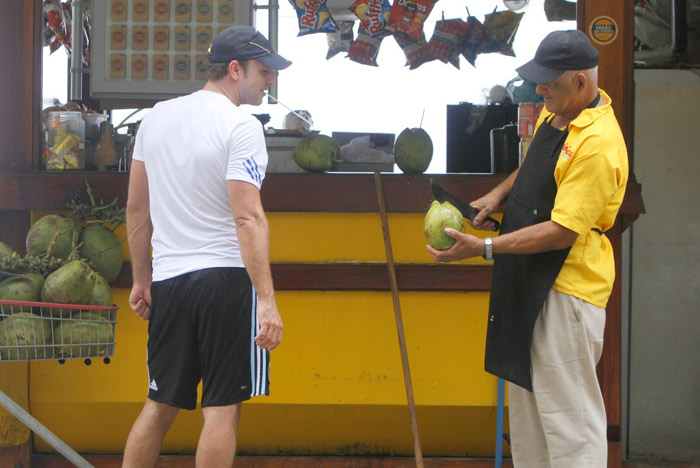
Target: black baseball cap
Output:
[
  {"x": 558, "y": 52},
  {"x": 245, "y": 43}
]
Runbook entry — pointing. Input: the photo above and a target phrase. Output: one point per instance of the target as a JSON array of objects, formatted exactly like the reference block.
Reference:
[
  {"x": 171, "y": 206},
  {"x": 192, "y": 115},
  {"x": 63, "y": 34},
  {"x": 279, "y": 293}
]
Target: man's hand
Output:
[
  {"x": 486, "y": 205},
  {"x": 140, "y": 301},
  {"x": 270, "y": 335},
  {"x": 467, "y": 246}
]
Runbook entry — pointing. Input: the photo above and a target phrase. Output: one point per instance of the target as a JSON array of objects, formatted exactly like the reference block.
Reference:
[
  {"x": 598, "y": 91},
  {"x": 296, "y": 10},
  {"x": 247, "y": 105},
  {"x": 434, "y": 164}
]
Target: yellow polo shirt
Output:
[{"x": 591, "y": 176}]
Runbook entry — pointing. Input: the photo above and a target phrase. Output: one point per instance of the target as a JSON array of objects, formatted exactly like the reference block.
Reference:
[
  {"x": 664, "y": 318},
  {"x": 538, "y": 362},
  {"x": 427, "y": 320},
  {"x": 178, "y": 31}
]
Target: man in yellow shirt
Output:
[{"x": 554, "y": 267}]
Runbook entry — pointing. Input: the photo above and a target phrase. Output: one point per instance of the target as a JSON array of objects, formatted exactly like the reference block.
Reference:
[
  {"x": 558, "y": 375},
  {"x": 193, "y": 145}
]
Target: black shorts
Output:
[{"x": 201, "y": 328}]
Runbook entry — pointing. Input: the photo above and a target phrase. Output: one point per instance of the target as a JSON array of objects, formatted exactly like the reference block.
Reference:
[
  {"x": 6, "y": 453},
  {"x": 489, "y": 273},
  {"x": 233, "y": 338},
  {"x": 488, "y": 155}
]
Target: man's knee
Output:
[
  {"x": 160, "y": 413},
  {"x": 228, "y": 413}
]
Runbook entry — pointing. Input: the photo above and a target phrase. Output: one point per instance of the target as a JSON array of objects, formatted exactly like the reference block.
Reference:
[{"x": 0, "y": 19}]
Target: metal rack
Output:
[{"x": 40, "y": 331}]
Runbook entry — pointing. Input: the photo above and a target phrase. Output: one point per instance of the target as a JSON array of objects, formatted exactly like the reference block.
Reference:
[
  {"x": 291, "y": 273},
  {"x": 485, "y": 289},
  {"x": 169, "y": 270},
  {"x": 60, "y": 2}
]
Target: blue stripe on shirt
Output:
[{"x": 252, "y": 168}]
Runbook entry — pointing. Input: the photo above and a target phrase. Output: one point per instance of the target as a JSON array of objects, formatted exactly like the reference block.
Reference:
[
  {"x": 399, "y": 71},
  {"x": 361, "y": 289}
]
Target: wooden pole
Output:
[{"x": 399, "y": 320}]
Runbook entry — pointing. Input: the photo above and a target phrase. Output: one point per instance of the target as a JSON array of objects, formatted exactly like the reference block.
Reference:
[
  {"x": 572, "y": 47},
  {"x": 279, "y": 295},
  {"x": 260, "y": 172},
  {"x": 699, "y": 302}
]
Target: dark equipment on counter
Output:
[
  {"x": 467, "y": 210},
  {"x": 469, "y": 135},
  {"x": 505, "y": 149}
]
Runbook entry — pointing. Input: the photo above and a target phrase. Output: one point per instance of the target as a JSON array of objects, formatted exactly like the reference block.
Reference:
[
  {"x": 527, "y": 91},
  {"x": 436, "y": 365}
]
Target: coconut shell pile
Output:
[{"x": 70, "y": 260}]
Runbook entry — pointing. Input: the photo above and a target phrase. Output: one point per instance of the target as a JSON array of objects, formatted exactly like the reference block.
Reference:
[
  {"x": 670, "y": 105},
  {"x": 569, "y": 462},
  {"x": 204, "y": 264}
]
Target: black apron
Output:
[{"x": 521, "y": 283}]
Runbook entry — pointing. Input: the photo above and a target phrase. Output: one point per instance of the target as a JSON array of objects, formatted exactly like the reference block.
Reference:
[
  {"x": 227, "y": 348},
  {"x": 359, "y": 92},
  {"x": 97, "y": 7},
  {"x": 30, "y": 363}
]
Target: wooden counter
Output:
[
  {"x": 303, "y": 192},
  {"x": 307, "y": 192}
]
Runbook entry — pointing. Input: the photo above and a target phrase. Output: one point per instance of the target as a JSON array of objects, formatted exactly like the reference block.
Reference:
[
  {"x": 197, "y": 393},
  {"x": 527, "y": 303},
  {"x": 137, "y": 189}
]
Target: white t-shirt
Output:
[{"x": 191, "y": 146}]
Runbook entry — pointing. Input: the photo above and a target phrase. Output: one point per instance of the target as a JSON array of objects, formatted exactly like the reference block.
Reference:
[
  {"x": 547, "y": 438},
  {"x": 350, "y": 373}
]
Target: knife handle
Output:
[{"x": 497, "y": 225}]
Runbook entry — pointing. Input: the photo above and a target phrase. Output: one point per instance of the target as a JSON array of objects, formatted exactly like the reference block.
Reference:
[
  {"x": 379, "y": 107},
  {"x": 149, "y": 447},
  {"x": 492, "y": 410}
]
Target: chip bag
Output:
[
  {"x": 58, "y": 19},
  {"x": 314, "y": 17},
  {"x": 417, "y": 53},
  {"x": 340, "y": 40},
  {"x": 374, "y": 15},
  {"x": 473, "y": 39},
  {"x": 365, "y": 48},
  {"x": 408, "y": 16},
  {"x": 448, "y": 40},
  {"x": 501, "y": 27}
]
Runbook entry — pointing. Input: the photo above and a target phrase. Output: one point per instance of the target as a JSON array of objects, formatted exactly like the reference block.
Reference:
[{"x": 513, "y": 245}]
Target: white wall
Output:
[{"x": 664, "y": 353}]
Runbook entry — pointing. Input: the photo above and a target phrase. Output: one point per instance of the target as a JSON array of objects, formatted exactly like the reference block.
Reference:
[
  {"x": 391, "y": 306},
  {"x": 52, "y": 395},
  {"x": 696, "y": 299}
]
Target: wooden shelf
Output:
[
  {"x": 302, "y": 192},
  {"x": 368, "y": 277}
]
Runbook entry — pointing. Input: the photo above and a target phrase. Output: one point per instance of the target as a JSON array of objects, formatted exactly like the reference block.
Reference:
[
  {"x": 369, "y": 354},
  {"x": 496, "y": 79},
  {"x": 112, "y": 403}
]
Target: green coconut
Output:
[
  {"x": 318, "y": 153},
  {"x": 101, "y": 294},
  {"x": 437, "y": 219},
  {"x": 5, "y": 250},
  {"x": 91, "y": 335},
  {"x": 25, "y": 287},
  {"x": 413, "y": 150},
  {"x": 104, "y": 250},
  {"x": 24, "y": 336},
  {"x": 43, "y": 232},
  {"x": 70, "y": 284}
]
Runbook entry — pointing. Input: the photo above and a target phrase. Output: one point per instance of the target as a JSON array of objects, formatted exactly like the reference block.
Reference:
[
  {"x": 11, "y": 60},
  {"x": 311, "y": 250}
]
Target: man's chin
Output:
[{"x": 254, "y": 102}]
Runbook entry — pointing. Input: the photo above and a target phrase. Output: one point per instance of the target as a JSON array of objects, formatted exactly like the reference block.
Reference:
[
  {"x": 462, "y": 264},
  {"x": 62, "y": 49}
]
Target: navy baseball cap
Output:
[
  {"x": 245, "y": 43},
  {"x": 558, "y": 52}
]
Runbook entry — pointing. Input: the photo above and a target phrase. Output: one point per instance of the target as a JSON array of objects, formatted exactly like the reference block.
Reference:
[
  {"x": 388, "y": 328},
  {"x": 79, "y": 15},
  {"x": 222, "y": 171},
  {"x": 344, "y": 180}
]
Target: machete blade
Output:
[{"x": 467, "y": 210}]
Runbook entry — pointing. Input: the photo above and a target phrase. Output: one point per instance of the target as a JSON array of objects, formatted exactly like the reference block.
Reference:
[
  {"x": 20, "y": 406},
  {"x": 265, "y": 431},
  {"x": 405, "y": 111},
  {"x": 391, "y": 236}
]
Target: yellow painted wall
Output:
[{"x": 336, "y": 380}]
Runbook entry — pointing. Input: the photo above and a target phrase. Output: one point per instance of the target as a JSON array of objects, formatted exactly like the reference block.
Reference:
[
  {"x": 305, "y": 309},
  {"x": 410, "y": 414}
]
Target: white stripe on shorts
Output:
[{"x": 259, "y": 365}]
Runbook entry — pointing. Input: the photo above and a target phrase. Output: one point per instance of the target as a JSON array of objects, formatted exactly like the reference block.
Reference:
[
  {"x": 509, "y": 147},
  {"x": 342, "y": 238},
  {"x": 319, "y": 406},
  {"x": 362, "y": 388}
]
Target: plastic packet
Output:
[
  {"x": 365, "y": 48},
  {"x": 501, "y": 27},
  {"x": 314, "y": 17},
  {"x": 408, "y": 16},
  {"x": 374, "y": 15},
  {"x": 416, "y": 52},
  {"x": 448, "y": 40},
  {"x": 340, "y": 40},
  {"x": 361, "y": 149},
  {"x": 473, "y": 39},
  {"x": 58, "y": 19}
]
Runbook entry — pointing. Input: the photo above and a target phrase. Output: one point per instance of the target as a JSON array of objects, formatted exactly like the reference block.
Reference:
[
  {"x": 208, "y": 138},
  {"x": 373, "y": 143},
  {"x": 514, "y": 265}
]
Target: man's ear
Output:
[
  {"x": 234, "y": 68},
  {"x": 581, "y": 80}
]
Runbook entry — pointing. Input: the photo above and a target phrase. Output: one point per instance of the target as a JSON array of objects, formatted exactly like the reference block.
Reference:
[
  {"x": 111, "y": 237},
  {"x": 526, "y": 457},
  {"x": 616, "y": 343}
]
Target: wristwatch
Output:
[{"x": 488, "y": 242}]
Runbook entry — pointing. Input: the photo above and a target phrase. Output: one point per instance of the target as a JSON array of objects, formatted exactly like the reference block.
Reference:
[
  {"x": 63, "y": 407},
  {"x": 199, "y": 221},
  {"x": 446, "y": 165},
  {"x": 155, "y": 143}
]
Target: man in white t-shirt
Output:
[{"x": 208, "y": 297}]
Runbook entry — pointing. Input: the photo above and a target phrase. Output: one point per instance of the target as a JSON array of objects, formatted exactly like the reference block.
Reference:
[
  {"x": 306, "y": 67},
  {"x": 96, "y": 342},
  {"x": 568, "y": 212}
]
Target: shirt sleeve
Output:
[
  {"x": 138, "y": 145},
  {"x": 585, "y": 190},
  {"x": 247, "y": 153}
]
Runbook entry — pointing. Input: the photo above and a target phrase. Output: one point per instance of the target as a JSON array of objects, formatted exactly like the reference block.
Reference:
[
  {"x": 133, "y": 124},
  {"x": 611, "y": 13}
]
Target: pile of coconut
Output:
[{"x": 65, "y": 264}]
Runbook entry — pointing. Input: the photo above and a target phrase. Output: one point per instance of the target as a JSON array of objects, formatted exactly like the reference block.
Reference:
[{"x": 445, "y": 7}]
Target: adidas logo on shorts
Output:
[{"x": 153, "y": 385}]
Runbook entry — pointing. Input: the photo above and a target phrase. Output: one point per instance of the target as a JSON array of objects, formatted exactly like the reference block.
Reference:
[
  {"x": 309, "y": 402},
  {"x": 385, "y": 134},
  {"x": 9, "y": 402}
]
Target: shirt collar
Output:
[{"x": 590, "y": 115}]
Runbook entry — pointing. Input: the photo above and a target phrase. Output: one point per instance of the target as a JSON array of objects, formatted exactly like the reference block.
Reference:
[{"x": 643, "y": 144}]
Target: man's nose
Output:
[{"x": 540, "y": 89}]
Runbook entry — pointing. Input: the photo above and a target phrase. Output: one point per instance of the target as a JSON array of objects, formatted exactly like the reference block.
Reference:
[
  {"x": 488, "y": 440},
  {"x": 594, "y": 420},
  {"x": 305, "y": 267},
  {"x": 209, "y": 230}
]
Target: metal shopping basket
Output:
[
  {"x": 32, "y": 331},
  {"x": 47, "y": 331}
]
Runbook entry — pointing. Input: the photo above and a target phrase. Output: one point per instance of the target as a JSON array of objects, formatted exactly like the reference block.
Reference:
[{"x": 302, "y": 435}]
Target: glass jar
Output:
[{"x": 66, "y": 141}]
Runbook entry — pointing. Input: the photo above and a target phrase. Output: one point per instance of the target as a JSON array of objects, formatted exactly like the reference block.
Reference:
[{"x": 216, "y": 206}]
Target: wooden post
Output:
[
  {"x": 20, "y": 99},
  {"x": 610, "y": 26}
]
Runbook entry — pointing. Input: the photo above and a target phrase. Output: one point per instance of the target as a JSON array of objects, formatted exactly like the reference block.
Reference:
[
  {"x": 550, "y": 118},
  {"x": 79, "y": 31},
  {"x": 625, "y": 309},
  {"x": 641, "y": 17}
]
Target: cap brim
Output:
[
  {"x": 274, "y": 61},
  {"x": 536, "y": 73}
]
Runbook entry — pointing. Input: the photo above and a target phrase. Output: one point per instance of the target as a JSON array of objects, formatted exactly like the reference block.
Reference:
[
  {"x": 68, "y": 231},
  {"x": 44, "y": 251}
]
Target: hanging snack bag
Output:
[
  {"x": 314, "y": 17},
  {"x": 365, "y": 48},
  {"x": 417, "y": 53},
  {"x": 340, "y": 40},
  {"x": 473, "y": 39},
  {"x": 408, "y": 16},
  {"x": 87, "y": 33},
  {"x": 448, "y": 40},
  {"x": 500, "y": 27},
  {"x": 374, "y": 15},
  {"x": 59, "y": 21}
]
